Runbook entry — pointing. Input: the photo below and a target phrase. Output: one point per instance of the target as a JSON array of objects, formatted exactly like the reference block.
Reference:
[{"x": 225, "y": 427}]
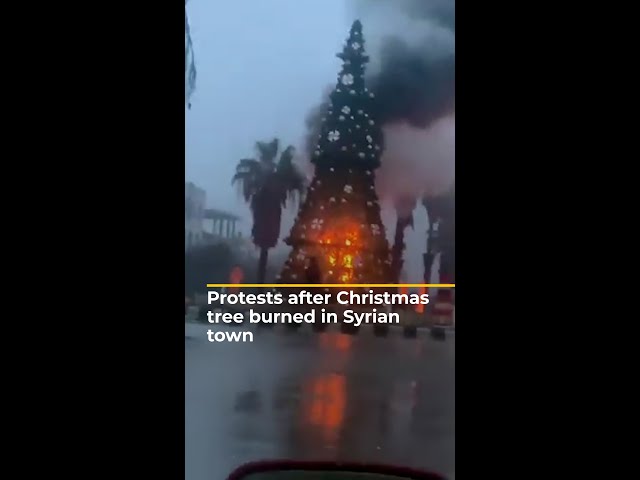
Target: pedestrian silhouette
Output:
[{"x": 312, "y": 272}]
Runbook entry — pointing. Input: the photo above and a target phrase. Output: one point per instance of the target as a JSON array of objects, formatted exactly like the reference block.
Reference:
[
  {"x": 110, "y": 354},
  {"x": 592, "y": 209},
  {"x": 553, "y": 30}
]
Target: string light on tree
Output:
[{"x": 347, "y": 79}]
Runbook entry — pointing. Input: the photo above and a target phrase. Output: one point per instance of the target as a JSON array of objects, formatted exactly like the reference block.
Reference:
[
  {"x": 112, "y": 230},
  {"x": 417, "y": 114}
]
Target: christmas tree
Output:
[{"x": 339, "y": 222}]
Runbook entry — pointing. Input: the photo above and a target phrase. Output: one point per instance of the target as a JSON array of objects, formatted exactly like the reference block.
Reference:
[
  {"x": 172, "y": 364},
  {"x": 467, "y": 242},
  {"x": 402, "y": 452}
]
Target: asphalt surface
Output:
[{"x": 328, "y": 396}]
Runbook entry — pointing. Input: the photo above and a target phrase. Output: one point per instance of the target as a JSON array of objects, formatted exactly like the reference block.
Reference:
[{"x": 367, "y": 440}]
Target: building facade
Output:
[
  {"x": 194, "y": 211},
  {"x": 208, "y": 226}
]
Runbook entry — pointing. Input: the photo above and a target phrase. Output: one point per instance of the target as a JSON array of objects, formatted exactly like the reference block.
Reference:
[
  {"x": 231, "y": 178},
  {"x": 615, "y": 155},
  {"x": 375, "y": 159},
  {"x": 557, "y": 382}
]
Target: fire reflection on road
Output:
[
  {"x": 322, "y": 396},
  {"x": 336, "y": 341},
  {"x": 324, "y": 405}
]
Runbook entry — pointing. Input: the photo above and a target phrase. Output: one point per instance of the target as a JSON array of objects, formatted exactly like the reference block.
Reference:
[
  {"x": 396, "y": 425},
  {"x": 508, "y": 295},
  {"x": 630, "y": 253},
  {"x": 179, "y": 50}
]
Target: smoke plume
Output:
[
  {"x": 412, "y": 46},
  {"x": 412, "y": 72},
  {"x": 418, "y": 162}
]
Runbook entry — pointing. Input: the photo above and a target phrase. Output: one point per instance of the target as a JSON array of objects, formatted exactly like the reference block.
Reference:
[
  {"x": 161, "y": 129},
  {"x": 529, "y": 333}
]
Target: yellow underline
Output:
[{"x": 328, "y": 285}]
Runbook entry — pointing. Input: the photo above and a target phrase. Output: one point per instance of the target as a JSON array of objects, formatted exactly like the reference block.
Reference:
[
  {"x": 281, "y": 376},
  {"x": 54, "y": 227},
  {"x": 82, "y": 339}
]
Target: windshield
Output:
[{"x": 320, "y": 149}]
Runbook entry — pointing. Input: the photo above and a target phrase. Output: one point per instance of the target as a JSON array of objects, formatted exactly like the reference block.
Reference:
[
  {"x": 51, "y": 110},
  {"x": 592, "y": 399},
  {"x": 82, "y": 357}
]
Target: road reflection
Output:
[
  {"x": 324, "y": 405},
  {"x": 335, "y": 341},
  {"x": 324, "y": 396}
]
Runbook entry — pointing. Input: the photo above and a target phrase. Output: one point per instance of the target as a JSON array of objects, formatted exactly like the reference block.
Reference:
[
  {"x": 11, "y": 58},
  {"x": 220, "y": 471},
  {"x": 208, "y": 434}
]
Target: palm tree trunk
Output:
[
  {"x": 405, "y": 204},
  {"x": 398, "y": 247},
  {"x": 262, "y": 264}
]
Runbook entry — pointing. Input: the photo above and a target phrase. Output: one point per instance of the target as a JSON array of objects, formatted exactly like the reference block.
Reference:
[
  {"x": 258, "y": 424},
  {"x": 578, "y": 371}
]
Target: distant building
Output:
[
  {"x": 208, "y": 226},
  {"x": 220, "y": 224},
  {"x": 194, "y": 210}
]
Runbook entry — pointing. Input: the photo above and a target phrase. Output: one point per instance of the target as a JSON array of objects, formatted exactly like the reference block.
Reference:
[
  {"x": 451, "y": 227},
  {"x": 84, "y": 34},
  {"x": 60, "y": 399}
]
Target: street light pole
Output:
[{"x": 189, "y": 60}]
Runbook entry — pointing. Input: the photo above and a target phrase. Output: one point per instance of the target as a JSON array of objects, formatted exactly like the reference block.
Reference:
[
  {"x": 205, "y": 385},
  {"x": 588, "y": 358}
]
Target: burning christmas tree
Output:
[{"x": 339, "y": 222}]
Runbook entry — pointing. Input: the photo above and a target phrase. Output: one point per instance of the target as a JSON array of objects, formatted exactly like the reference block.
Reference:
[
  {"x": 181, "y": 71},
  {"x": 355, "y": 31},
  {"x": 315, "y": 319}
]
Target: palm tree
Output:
[
  {"x": 267, "y": 186},
  {"x": 437, "y": 210},
  {"x": 404, "y": 205}
]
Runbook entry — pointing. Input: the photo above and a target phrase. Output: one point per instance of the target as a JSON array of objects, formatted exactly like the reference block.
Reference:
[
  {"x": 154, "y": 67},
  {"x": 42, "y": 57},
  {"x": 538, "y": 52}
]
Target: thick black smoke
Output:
[
  {"x": 412, "y": 71},
  {"x": 411, "y": 44},
  {"x": 412, "y": 85},
  {"x": 414, "y": 81},
  {"x": 441, "y": 12},
  {"x": 314, "y": 122}
]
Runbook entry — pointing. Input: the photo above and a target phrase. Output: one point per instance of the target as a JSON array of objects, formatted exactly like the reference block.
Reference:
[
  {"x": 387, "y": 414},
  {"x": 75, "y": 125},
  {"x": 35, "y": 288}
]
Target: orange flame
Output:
[
  {"x": 344, "y": 234},
  {"x": 328, "y": 400},
  {"x": 236, "y": 276}
]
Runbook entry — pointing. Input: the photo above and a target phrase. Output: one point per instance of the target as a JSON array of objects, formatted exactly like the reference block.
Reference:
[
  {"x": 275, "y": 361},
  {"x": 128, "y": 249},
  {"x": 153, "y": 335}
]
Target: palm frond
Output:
[
  {"x": 267, "y": 151},
  {"x": 286, "y": 158},
  {"x": 291, "y": 181},
  {"x": 261, "y": 179},
  {"x": 245, "y": 184},
  {"x": 249, "y": 166},
  {"x": 249, "y": 174}
]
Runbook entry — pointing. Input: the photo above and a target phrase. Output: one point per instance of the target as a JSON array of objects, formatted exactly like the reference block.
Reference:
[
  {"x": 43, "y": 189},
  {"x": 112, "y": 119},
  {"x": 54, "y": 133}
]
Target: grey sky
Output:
[{"x": 261, "y": 66}]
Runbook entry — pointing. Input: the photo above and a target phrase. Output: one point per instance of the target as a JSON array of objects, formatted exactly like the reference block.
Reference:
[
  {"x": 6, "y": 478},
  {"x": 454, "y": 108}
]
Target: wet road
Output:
[{"x": 308, "y": 395}]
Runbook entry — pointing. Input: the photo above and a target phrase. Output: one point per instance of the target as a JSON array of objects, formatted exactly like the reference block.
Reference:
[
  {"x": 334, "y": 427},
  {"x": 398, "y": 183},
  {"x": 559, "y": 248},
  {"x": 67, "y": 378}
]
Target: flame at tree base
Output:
[{"x": 341, "y": 253}]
